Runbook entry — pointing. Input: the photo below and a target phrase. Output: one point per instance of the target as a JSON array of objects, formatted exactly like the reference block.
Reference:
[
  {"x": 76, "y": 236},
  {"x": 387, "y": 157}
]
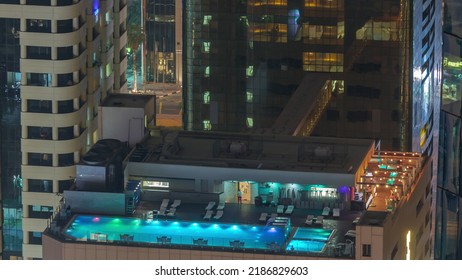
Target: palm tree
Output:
[{"x": 135, "y": 36}]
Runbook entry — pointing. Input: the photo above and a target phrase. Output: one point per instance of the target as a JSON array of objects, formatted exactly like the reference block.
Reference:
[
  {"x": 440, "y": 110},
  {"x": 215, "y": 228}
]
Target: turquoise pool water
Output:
[
  {"x": 309, "y": 240},
  {"x": 109, "y": 229}
]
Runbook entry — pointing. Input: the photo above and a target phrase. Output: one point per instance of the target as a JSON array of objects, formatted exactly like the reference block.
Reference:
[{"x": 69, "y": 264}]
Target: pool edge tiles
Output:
[{"x": 89, "y": 228}]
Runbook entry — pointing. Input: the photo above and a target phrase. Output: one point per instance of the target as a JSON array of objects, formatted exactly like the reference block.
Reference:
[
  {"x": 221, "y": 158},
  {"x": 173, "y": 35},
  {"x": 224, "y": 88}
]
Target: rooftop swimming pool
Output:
[
  {"x": 205, "y": 234},
  {"x": 107, "y": 229},
  {"x": 309, "y": 240}
]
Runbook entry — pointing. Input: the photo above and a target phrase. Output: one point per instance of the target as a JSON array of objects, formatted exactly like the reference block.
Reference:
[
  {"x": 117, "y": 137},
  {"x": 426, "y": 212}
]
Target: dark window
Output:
[
  {"x": 366, "y": 250},
  {"x": 40, "y": 159},
  {"x": 419, "y": 206},
  {"x": 41, "y": 212},
  {"x": 396, "y": 143},
  {"x": 38, "y": 52},
  {"x": 395, "y": 115},
  {"x": 366, "y": 67},
  {"x": 35, "y": 237},
  {"x": 333, "y": 115},
  {"x": 66, "y": 159},
  {"x": 65, "y": 80},
  {"x": 39, "y": 106},
  {"x": 39, "y": 79},
  {"x": 65, "y": 52},
  {"x": 66, "y": 106},
  {"x": 394, "y": 251},
  {"x": 39, "y": 2},
  {"x": 65, "y": 133},
  {"x": 40, "y": 185},
  {"x": 36, "y": 132},
  {"x": 419, "y": 235},
  {"x": 361, "y": 91},
  {"x": 39, "y": 25},
  {"x": 65, "y": 185},
  {"x": 65, "y": 26},
  {"x": 359, "y": 116}
]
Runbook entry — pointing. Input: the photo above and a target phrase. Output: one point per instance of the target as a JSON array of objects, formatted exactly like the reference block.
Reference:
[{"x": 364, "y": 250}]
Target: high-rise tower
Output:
[{"x": 72, "y": 55}]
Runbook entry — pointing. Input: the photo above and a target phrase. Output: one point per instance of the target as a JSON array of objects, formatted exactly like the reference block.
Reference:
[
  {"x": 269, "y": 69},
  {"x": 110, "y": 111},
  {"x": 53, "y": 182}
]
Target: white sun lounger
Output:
[
  {"x": 336, "y": 212},
  {"x": 319, "y": 220},
  {"x": 210, "y": 205},
  {"x": 326, "y": 211},
  {"x": 218, "y": 215},
  {"x": 164, "y": 203},
  {"x": 280, "y": 209},
  {"x": 208, "y": 215},
  {"x": 309, "y": 220},
  {"x": 289, "y": 210},
  {"x": 172, "y": 212},
  {"x": 263, "y": 217},
  {"x": 221, "y": 206},
  {"x": 161, "y": 212},
  {"x": 176, "y": 203}
]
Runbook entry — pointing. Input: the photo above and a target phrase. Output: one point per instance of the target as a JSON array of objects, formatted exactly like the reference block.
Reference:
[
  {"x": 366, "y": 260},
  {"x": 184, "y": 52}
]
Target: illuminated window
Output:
[
  {"x": 108, "y": 70},
  {"x": 207, "y": 19},
  {"x": 207, "y": 124},
  {"x": 378, "y": 31},
  {"x": 249, "y": 122},
  {"x": 244, "y": 20},
  {"x": 322, "y": 62},
  {"x": 206, "y": 47},
  {"x": 207, "y": 71},
  {"x": 206, "y": 97},
  {"x": 249, "y": 71},
  {"x": 249, "y": 96}
]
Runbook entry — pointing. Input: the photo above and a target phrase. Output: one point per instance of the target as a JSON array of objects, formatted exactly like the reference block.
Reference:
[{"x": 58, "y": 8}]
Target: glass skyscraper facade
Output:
[
  {"x": 448, "y": 244},
  {"x": 246, "y": 58},
  {"x": 160, "y": 41}
]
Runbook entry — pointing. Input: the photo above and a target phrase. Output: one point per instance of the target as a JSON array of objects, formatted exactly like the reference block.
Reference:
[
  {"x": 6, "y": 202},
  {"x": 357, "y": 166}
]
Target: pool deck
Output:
[{"x": 250, "y": 214}]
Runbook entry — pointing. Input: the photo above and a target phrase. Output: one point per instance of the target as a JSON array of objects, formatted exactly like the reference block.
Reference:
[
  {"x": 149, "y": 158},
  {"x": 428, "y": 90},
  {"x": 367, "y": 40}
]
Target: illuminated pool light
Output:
[
  {"x": 272, "y": 229},
  {"x": 95, "y": 219}
]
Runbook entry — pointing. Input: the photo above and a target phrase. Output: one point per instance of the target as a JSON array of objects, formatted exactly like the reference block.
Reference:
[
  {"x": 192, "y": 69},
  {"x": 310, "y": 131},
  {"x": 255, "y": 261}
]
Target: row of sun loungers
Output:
[
  {"x": 208, "y": 215},
  {"x": 288, "y": 211},
  {"x": 335, "y": 212},
  {"x": 211, "y": 204},
  {"x": 310, "y": 221},
  {"x": 266, "y": 216},
  {"x": 164, "y": 212}
]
